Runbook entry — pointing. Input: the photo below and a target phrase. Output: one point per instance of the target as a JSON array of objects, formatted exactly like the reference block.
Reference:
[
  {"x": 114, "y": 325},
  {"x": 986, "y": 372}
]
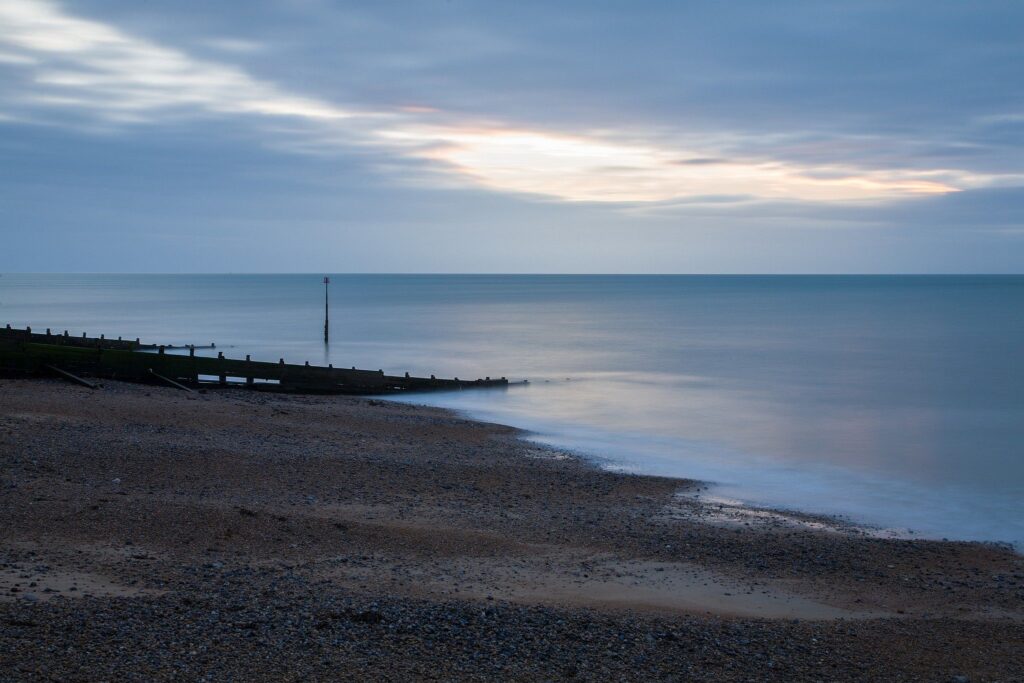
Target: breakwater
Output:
[{"x": 25, "y": 352}]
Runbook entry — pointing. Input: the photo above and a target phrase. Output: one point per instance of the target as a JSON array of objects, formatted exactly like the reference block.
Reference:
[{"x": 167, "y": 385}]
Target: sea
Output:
[{"x": 890, "y": 401}]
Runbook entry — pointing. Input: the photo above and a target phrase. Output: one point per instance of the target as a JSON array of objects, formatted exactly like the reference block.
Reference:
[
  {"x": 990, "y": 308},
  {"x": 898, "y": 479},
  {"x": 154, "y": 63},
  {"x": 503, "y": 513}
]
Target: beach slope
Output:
[{"x": 152, "y": 534}]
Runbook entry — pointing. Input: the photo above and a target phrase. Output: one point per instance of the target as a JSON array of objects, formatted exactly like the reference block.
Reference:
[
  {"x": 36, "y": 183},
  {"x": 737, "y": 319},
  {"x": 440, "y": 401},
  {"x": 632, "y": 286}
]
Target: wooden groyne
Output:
[{"x": 24, "y": 352}]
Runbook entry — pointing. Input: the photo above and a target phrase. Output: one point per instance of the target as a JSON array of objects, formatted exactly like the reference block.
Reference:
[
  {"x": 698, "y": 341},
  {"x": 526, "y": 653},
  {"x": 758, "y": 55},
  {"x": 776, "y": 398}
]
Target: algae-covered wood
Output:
[{"x": 27, "y": 352}]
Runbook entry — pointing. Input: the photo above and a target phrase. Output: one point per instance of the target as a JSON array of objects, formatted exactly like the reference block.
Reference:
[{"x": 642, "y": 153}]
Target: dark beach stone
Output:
[{"x": 368, "y": 617}]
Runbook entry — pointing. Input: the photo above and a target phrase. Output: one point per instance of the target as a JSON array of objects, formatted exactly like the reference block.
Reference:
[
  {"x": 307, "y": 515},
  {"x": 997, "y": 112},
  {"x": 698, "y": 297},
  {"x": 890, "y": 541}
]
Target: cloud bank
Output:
[
  {"x": 69, "y": 64},
  {"x": 669, "y": 136}
]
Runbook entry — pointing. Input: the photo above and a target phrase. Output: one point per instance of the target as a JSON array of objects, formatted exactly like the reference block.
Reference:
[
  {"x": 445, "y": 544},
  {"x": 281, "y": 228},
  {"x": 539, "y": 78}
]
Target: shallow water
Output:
[{"x": 897, "y": 401}]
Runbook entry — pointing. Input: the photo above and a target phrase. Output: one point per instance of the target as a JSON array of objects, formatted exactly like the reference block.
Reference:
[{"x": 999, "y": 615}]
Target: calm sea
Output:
[{"x": 896, "y": 401}]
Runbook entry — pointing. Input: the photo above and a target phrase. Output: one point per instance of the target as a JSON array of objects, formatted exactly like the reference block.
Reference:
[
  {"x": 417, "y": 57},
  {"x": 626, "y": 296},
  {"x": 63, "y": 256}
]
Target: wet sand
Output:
[{"x": 150, "y": 534}]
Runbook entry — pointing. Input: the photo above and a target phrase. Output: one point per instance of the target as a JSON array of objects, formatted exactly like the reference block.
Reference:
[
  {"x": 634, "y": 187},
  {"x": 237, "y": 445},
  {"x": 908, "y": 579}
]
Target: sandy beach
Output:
[{"x": 151, "y": 534}]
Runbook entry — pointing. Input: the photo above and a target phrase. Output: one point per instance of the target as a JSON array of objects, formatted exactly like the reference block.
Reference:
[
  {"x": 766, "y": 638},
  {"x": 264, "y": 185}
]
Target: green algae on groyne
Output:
[{"x": 26, "y": 353}]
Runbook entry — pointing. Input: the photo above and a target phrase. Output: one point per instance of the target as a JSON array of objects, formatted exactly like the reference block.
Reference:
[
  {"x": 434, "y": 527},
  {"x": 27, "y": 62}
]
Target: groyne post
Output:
[{"x": 327, "y": 282}]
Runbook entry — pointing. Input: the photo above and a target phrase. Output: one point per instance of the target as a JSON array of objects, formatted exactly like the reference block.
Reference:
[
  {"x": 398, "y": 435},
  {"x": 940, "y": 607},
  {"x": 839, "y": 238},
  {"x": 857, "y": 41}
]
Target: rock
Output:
[{"x": 368, "y": 617}]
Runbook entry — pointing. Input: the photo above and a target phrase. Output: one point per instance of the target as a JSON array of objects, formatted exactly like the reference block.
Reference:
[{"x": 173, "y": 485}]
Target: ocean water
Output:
[{"x": 893, "y": 401}]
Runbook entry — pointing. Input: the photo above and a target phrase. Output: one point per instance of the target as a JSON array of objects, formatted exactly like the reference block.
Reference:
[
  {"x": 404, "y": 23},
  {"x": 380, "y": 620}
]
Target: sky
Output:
[{"x": 463, "y": 136}]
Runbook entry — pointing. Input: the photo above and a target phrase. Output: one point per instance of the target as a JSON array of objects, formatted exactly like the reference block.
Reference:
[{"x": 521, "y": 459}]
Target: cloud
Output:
[
  {"x": 234, "y": 45},
  {"x": 700, "y": 161},
  {"x": 589, "y": 169},
  {"x": 92, "y": 66},
  {"x": 93, "y": 69}
]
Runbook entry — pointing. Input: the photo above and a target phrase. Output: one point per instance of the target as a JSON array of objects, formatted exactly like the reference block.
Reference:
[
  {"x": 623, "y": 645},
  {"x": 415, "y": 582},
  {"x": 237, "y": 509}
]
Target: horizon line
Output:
[{"x": 319, "y": 273}]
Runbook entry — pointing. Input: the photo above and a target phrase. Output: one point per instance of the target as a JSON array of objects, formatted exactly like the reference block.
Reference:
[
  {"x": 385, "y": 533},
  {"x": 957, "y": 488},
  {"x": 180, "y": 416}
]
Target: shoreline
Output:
[
  {"x": 707, "y": 507},
  {"x": 870, "y": 500},
  {"x": 284, "y": 509},
  {"x": 728, "y": 510}
]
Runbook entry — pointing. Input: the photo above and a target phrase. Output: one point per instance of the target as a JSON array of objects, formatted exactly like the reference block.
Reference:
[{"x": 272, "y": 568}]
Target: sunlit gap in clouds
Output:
[
  {"x": 99, "y": 71},
  {"x": 581, "y": 168}
]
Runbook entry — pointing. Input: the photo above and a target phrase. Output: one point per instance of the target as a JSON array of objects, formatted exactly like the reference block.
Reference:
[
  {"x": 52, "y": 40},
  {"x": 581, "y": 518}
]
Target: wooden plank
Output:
[
  {"x": 73, "y": 378},
  {"x": 170, "y": 381}
]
